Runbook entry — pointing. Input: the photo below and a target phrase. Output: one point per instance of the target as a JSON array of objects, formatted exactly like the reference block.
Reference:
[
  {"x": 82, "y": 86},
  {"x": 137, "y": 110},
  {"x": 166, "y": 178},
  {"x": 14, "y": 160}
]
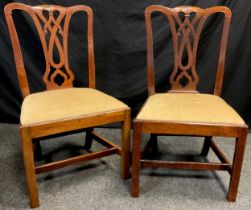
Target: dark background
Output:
[{"x": 120, "y": 53}]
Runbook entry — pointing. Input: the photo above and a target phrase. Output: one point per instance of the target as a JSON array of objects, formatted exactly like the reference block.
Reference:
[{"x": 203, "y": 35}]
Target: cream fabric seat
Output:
[
  {"x": 187, "y": 107},
  {"x": 66, "y": 103}
]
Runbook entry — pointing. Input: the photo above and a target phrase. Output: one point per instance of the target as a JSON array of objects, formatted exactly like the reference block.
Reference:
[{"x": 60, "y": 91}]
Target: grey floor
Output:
[{"x": 97, "y": 184}]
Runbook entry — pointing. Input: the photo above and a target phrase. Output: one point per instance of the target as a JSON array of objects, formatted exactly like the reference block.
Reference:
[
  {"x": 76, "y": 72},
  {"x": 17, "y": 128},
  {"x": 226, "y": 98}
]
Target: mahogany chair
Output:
[
  {"x": 183, "y": 110},
  {"x": 63, "y": 108}
]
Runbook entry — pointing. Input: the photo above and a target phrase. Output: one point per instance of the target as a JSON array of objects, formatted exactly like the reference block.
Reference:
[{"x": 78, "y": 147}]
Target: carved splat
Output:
[
  {"x": 52, "y": 23},
  {"x": 54, "y": 38},
  {"x": 184, "y": 76},
  {"x": 186, "y": 24}
]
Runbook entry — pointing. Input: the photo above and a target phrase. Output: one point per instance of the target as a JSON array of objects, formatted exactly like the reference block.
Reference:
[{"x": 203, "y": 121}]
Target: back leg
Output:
[
  {"x": 206, "y": 145},
  {"x": 125, "y": 146},
  {"x": 88, "y": 138},
  {"x": 37, "y": 150}
]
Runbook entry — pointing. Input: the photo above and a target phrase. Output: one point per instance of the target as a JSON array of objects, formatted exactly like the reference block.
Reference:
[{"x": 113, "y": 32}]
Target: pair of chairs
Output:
[{"x": 181, "y": 111}]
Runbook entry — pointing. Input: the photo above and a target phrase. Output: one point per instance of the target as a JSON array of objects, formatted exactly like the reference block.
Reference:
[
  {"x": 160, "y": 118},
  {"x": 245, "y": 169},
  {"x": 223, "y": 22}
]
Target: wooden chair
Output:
[
  {"x": 183, "y": 110},
  {"x": 63, "y": 108}
]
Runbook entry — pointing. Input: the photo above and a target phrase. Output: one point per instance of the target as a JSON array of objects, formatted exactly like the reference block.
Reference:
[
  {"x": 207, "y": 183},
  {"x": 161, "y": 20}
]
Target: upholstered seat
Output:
[
  {"x": 187, "y": 107},
  {"x": 66, "y": 103}
]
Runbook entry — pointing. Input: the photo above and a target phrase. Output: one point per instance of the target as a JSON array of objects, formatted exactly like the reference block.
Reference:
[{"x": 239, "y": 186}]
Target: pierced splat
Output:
[
  {"x": 52, "y": 23},
  {"x": 186, "y": 24},
  {"x": 186, "y": 35},
  {"x": 54, "y": 39}
]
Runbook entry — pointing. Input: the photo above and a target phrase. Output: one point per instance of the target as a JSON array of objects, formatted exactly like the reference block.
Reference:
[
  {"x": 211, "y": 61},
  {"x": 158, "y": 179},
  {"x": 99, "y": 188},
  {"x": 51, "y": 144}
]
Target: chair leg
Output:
[
  {"x": 206, "y": 146},
  {"x": 154, "y": 143},
  {"x": 38, "y": 154},
  {"x": 29, "y": 166},
  {"x": 137, "y": 135},
  {"x": 125, "y": 146},
  {"x": 88, "y": 138},
  {"x": 237, "y": 165},
  {"x": 151, "y": 147}
]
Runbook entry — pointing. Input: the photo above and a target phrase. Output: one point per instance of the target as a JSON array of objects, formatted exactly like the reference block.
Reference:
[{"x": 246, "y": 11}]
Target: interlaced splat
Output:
[
  {"x": 186, "y": 37},
  {"x": 54, "y": 39},
  {"x": 52, "y": 22}
]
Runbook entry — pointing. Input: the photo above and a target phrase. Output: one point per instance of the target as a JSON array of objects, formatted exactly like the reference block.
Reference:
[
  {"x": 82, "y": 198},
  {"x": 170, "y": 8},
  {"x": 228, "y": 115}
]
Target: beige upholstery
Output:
[
  {"x": 66, "y": 103},
  {"x": 187, "y": 107}
]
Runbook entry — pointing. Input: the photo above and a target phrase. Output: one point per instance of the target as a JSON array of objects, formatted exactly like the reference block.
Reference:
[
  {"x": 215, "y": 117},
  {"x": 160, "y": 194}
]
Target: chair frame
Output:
[
  {"x": 207, "y": 130},
  {"x": 31, "y": 134}
]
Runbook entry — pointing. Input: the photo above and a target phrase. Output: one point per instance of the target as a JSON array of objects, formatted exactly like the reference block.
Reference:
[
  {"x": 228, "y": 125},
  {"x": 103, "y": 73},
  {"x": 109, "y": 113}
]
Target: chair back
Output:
[
  {"x": 186, "y": 24},
  {"x": 52, "y": 23}
]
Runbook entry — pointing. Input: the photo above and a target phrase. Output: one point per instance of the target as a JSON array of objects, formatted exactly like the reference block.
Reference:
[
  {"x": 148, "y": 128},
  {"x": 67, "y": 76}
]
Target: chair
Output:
[
  {"x": 183, "y": 110},
  {"x": 63, "y": 108}
]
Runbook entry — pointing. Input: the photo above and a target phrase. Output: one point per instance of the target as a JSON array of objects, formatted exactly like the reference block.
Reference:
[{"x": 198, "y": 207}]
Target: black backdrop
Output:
[{"x": 120, "y": 53}]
